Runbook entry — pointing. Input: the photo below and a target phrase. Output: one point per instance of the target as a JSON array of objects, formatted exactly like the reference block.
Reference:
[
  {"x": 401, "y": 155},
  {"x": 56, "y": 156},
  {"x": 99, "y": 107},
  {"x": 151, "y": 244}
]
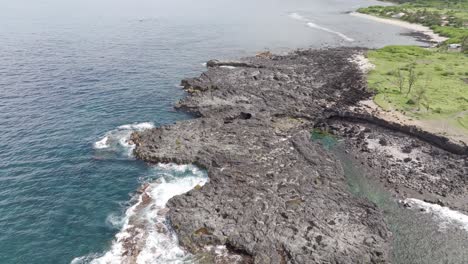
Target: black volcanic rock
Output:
[
  {"x": 411, "y": 166},
  {"x": 274, "y": 196}
]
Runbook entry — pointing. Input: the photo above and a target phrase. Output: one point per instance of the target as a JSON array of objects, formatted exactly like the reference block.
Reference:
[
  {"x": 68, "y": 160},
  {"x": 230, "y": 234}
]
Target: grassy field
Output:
[
  {"x": 422, "y": 83},
  {"x": 430, "y": 85}
]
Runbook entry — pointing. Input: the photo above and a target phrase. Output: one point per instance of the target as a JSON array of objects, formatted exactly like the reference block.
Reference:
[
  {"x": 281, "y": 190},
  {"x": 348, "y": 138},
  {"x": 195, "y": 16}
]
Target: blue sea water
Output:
[{"x": 71, "y": 71}]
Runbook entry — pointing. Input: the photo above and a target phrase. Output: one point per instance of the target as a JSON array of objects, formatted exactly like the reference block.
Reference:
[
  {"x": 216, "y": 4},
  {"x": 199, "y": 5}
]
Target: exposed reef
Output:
[
  {"x": 440, "y": 141},
  {"x": 408, "y": 163},
  {"x": 274, "y": 196}
]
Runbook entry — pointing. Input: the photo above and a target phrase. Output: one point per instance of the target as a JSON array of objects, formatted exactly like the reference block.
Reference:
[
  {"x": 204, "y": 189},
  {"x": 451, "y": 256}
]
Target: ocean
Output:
[{"x": 78, "y": 76}]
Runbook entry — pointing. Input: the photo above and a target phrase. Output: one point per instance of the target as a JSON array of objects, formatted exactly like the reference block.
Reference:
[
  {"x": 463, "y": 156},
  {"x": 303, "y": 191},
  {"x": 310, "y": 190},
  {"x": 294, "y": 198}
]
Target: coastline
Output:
[
  {"x": 221, "y": 140},
  {"x": 274, "y": 196},
  {"x": 241, "y": 162},
  {"x": 370, "y": 108},
  {"x": 429, "y": 33},
  {"x": 252, "y": 144},
  {"x": 454, "y": 135}
]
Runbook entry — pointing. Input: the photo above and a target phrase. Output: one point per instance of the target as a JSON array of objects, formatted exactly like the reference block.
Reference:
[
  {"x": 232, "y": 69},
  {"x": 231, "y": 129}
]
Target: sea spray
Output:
[
  {"x": 298, "y": 17},
  {"x": 444, "y": 215},
  {"x": 311, "y": 24},
  {"x": 102, "y": 143},
  {"x": 145, "y": 236},
  {"x": 341, "y": 35},
  {"x": 117, "y": 140}
]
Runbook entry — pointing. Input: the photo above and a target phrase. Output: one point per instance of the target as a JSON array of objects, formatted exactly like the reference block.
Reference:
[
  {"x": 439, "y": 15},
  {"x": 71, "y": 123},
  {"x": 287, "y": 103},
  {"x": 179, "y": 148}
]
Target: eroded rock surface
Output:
[
  {"x": 409, "y": 166},
  {"x": 274, "y": 196}
]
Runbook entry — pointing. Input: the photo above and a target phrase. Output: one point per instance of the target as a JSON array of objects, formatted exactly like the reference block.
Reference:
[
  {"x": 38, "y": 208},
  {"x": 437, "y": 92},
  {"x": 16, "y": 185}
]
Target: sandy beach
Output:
[{"x": 434, "y": 37}]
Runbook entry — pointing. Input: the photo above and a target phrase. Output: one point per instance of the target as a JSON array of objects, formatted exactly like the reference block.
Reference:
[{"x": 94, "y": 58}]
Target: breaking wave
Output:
[
  {"x": 310, "y": 24},
  {"x": 145, "y": 236},
  {"x": 298, "y": 17},
  {"x": 343, "y": 36},
  {"x": 117, "y": 140},
  {"x": 445, "y": 215},
  {"x": 227, "y": 67}
]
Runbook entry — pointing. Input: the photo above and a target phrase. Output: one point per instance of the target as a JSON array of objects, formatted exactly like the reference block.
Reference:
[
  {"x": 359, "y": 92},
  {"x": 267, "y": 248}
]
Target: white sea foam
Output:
[
  {"x": 343, "y": 36},
  {"x": 101, "y": 144},
  {"x": 115, "y": 220},
  {"x": 311, "y": 24},
  {"x": 117, "y": 139},
  {"x": 138, "y": 127},
  {"x": 445, "y": 215},
  {"x": 171, "y": 167},
  {"x": 227, "y": 67},
  {"x": 84, "y": 259},
  {"x": 298, "y": 17},
  {"x": 145, "y": 236}
]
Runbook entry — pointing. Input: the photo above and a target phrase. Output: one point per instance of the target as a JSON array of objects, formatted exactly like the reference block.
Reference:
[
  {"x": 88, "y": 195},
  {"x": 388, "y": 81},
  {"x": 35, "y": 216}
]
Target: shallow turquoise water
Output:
[
  {"x": 419, "y": 237},
  {"x": 70, "y": 71}
]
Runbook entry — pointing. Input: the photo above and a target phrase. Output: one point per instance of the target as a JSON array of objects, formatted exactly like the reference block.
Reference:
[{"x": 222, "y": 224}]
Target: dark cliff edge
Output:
[{"x": 274, "y": 196}]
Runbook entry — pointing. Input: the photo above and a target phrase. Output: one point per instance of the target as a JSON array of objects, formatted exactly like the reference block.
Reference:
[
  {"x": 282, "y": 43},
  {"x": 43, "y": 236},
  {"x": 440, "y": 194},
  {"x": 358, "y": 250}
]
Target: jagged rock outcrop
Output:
[{"x": 274, "y": 196}]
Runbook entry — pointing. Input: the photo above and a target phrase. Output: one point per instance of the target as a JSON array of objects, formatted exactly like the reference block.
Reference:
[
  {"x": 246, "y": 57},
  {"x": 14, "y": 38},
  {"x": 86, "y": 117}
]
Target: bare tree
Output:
[
  {"x": 412, "y": 79},
  {"x": 400, "y": 79},
  {"x": 421, "y": 94}
]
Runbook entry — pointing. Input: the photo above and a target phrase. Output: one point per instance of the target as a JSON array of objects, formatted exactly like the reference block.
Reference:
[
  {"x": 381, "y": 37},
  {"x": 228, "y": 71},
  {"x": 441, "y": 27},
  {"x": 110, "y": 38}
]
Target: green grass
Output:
[
  {"x": 439, "y": 89},
  {"x": 455, "y": 35}
]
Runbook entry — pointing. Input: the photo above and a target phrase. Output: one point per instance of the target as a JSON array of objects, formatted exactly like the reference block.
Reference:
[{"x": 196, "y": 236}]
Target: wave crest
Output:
[
  {"x": 117, "y": 140},
  {"x": 444, "y": 214},
  {"x": 145, "y": 236},
  {"x": 311, "y": 24}
]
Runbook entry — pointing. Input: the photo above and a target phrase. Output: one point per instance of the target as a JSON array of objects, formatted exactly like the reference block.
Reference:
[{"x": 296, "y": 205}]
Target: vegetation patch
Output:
[{"x": 420, "y": 82}]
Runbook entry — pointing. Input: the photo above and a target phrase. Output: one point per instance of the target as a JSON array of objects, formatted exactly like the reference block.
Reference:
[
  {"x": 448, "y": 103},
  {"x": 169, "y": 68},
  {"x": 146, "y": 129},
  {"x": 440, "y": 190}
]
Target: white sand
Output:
[
  {"x": 414, "y": 27},
  {"x": 362, "y": 62}
]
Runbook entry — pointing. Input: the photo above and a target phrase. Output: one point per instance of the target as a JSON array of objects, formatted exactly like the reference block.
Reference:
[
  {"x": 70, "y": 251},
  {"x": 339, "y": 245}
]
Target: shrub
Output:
[
  {"x": 406, "y": 50},
  {"x": 447, "y": 73}
]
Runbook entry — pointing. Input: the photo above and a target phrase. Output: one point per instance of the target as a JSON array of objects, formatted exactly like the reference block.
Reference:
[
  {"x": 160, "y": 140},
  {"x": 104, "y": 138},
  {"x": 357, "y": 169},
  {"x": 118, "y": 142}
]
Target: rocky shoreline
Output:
[
  {"x": 408, "y": 166},
  {"x": 274, "y": 196}
]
